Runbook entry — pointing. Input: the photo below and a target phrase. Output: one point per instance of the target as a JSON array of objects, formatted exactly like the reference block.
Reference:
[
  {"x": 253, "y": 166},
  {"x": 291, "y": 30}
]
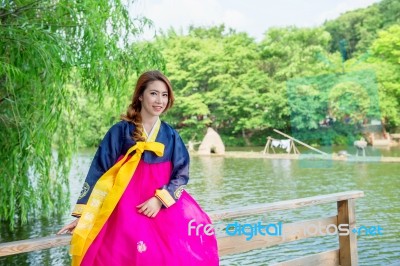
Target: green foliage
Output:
[
  {"x": 216, "y": 81},
  {"x": 384, "y": 61},
  {"x": 290, "y": 52},
  {"x": 359, "y": 28},
  {"x": 348, "y": 99},
  {"x": 44, "y": 46},
  {"x": 387, "y": 45}
]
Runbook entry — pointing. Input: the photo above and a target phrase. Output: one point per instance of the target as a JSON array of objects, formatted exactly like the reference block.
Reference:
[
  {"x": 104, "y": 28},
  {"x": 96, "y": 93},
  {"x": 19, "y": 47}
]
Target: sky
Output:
[{"x": 251, "y": 16}]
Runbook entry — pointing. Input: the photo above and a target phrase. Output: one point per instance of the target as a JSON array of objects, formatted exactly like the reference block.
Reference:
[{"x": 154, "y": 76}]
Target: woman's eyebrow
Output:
[{"x": 155, "y": 90}]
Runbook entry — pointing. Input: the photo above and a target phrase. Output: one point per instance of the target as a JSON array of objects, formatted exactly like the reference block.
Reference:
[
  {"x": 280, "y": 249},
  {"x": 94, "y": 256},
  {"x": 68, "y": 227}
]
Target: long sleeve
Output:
[
  {"x": 172, "y": 191},
  {"x": 105, "y": 157}
]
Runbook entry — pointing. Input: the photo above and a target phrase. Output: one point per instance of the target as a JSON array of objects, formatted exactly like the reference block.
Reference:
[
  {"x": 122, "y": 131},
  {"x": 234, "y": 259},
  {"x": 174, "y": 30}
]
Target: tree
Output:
[
  {"x": 217, "y": 82},
  {"x": 288, "y": 54},
  {"x": 44, "y": 46},
  {"x": 386, "y": 61},
  {"x": 359, "y": 27},
  {"x": 387, "y": 45}
]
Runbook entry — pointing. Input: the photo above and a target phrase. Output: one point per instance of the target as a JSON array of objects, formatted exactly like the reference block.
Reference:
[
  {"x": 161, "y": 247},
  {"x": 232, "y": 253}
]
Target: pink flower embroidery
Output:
[{"x": 141, "y": 246}]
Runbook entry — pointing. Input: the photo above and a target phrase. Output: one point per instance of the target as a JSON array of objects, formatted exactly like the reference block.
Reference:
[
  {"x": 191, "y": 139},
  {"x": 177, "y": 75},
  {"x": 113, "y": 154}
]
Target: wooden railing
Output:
[{"x": 345, "y": 254}]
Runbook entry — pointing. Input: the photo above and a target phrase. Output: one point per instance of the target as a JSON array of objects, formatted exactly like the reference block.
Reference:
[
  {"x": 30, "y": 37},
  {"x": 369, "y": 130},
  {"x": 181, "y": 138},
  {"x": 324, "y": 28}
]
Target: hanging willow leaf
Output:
[{"x": 44, "y": 46}]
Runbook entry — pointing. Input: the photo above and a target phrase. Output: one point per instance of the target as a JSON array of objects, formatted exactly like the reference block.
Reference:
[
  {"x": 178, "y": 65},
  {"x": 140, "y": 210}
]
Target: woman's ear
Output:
[{"x": 140, "y": 98}]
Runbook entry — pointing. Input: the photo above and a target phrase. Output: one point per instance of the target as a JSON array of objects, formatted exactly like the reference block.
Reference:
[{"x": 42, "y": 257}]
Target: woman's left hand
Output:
[{"x": 150, "y": 207}]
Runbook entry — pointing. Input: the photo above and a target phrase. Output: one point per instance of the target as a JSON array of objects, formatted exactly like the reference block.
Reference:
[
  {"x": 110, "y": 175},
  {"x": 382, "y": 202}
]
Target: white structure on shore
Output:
[{"x": 212, "y": 143}]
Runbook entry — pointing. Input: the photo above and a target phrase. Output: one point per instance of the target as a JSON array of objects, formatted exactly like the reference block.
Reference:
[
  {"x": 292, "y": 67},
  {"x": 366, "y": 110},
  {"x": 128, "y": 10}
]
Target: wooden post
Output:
[
  {"x": 347, "y": 244},
  {"x": 293, "y": 147},
  {"x": 266, "y": 148}
]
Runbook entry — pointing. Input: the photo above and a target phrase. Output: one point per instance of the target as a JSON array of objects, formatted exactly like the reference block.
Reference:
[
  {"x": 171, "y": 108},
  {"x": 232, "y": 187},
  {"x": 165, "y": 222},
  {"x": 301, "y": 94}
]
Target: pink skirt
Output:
[{"x": 130, "y": 238}]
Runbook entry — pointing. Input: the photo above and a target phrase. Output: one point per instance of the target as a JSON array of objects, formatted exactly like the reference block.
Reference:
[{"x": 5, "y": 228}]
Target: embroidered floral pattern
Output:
[
  {"x": 85, "y": 190},
  {"x": 141, "y": 246},
  {"x": 178, "y": 191}
]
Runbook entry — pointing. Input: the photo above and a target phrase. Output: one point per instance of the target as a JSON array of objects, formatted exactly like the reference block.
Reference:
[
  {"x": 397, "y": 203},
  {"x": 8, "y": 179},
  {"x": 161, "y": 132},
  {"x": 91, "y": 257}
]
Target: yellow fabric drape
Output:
[{"x": 105, "y": 196}]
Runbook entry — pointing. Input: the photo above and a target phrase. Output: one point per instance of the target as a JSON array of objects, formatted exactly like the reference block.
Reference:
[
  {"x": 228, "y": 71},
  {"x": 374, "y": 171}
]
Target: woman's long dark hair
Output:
[{"x": 133, "y": 113}]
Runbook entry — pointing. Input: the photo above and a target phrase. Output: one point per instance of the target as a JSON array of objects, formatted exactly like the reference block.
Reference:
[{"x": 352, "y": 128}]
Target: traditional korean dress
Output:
[{"x": 124, "y": 174}]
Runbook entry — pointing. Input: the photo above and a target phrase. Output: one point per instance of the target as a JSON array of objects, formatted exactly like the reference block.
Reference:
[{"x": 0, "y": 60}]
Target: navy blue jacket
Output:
[{"x": 118, "y": 140}]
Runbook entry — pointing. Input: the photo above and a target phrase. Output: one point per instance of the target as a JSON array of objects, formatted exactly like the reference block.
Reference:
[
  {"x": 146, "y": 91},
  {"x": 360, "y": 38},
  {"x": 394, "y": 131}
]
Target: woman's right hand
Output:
[{"x": 68, "y": 229}]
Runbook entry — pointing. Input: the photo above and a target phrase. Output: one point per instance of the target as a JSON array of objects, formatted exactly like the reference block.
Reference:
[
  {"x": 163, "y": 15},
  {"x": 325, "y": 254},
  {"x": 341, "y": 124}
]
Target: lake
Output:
[{"x": 224, "y": 183}]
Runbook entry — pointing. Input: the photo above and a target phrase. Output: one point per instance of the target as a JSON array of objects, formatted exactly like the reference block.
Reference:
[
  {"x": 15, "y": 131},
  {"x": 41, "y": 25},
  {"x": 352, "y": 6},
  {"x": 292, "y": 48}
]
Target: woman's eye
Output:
[
  {"x": 153, "y": 93},
  {"x": 165, "y": 95}
]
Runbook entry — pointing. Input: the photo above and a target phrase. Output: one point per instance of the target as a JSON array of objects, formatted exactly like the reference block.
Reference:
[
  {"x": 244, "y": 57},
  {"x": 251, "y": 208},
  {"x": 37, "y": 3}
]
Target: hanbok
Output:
[{"x": 111, "y": 231}]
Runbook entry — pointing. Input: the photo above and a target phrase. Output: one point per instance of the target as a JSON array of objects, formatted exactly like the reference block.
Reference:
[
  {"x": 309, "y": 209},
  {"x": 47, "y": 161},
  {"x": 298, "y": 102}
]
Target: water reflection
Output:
[
  {"x": 35, "y": 228},
  {"x": 211, "y": 170}
]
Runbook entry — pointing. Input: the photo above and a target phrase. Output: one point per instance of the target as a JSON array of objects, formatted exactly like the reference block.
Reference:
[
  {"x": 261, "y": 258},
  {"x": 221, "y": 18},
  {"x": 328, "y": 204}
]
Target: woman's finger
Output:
[
  {"x": 63, "y": 231},
  {"x": 142, "y": 209},
  {"x": 154, "y": 214},
  {"x": 141, "y": 205},
  {"x": 68, "y": 228}
]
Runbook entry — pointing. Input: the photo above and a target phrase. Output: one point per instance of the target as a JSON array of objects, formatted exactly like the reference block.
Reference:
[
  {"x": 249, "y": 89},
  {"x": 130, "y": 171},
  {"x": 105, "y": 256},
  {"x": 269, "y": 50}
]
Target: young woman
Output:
[{"x": 133, "y": 209}]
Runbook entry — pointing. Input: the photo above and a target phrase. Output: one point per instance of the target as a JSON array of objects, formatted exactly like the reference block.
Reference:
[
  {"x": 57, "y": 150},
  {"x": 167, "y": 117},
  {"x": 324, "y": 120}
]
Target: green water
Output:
[{"x": 224, "y": 183}]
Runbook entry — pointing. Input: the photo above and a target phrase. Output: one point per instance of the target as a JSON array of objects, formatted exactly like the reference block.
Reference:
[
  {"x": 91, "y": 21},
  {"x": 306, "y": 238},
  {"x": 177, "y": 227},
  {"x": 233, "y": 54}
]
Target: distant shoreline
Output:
[{"x": 333, "y": 157}]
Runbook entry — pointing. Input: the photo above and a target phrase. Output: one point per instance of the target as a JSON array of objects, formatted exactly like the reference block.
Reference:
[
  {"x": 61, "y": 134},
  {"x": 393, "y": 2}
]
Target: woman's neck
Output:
[{"x": 148, "y": 122}]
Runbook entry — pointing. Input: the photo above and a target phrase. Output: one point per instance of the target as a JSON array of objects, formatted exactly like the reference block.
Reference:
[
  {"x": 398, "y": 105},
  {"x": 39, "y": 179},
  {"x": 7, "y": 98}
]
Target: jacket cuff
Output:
[
  {"x": 77, "y": 212},
  {"x": 166, "y": 199}
]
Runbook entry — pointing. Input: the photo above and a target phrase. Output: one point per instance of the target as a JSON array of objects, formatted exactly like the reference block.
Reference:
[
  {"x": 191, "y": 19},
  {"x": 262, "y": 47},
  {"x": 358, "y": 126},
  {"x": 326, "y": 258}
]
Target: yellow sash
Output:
[{"x": 105, "y": 196}]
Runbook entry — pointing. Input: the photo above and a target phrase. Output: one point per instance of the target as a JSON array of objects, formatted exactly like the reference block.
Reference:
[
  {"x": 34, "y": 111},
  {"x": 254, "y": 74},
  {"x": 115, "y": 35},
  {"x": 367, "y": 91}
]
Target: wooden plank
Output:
[
  {"x": 16, "y": 247},
  {"x": 347, "y": 244},
  {"x": 327, "y": 258},
  {"x": 283, "y": 205},
  {"x": 290, "y": 232}
]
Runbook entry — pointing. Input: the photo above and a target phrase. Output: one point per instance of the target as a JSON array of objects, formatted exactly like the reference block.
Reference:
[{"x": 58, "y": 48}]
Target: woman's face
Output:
[{"x": 154, "y": 99}]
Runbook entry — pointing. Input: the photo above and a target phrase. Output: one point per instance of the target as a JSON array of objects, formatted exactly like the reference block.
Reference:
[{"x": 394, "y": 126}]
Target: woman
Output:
[{"x": 133, "y": 209}]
